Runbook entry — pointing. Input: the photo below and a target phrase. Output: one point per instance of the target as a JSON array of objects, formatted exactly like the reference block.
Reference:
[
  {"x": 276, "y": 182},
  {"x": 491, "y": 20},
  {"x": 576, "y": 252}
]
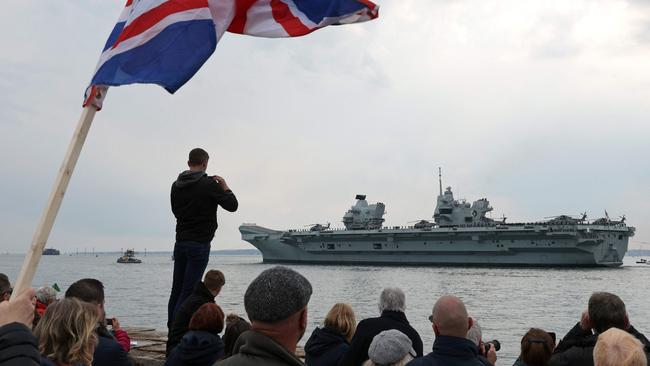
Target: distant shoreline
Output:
[
  {"x": 165, "y": 252},
  {"x": 235, "y": 252}
]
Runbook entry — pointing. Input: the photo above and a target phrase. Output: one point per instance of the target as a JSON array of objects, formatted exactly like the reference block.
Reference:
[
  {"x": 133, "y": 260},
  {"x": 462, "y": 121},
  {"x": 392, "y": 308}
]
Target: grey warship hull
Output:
[{"x": 557, "y": 244}]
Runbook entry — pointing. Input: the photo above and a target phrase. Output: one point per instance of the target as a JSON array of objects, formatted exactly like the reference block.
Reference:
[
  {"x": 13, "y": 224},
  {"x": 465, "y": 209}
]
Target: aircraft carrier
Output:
[{"x": 460, "y": 234}]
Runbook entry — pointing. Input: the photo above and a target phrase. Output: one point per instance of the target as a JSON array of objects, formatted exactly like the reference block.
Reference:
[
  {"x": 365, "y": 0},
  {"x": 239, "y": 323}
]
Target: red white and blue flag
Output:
[{"x": 165, "y": 42}]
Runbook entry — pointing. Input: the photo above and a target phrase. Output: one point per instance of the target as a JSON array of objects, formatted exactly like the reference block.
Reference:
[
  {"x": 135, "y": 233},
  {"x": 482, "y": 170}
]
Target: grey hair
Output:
[
  {"x": 475, "y": 333},
  {"x": 392, "y": 299},
  {"x": 46, "y": 295}
]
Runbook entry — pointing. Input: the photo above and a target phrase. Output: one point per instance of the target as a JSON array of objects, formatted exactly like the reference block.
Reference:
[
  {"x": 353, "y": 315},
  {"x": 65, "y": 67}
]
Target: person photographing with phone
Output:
[{"x": 195, "y": 197}]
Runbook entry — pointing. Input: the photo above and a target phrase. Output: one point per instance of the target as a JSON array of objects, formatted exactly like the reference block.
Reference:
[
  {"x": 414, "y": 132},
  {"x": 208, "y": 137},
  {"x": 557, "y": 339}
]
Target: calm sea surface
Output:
[{"x": 505, "y": 301}]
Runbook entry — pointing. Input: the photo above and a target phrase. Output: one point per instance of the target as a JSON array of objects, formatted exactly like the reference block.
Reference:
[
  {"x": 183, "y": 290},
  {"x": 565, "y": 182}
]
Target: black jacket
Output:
[
  {"x": 577, "y": 347},
  {"x": 196, "y": 348},
  {"x": 369, "y": 328},
  {"x": 18, "y": 346},
  {"x": 109, "y": 352},
  {"x": 452, "y": 351},
  {"x": 325, "y": 347},
  {"x": 195, "y": 198},
  {"x": 201, "y": 295}
]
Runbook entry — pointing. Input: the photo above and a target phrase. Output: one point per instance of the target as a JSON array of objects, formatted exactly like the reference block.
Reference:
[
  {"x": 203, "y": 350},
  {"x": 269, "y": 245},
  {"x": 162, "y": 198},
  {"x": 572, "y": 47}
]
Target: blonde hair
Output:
[
  {"x": 66, "y": 333},
  {"x": 341, "y": 317},
  {"x": 408, "y": 358},
  {"x": 616, "y": 347}
]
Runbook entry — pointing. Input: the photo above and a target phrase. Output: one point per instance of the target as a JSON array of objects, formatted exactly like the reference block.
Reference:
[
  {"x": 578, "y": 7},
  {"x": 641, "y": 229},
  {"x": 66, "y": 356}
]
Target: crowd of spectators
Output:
[{"x": 36, "y": 328}]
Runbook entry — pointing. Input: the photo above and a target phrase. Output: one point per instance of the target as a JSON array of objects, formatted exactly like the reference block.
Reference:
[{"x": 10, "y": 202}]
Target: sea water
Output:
[{"x": 505, "y": 301}]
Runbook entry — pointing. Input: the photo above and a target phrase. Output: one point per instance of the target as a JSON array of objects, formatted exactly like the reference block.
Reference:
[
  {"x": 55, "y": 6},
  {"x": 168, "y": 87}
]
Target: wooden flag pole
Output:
[{"x": 44, "y": 227}]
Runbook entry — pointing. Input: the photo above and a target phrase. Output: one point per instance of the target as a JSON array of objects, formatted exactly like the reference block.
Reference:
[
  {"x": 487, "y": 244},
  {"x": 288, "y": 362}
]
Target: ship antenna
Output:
[{"x": 440, "y": 179}]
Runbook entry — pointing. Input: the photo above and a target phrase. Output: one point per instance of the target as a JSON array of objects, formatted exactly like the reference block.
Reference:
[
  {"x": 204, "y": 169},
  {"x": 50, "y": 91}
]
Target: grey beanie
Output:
[
  {"x": 390, "y": 346},
  {"x": 276, "y": 294}
]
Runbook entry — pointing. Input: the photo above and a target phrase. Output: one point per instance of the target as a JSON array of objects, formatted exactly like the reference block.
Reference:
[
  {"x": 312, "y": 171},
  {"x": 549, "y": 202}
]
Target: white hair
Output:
[{"x": 392, "y": 299}]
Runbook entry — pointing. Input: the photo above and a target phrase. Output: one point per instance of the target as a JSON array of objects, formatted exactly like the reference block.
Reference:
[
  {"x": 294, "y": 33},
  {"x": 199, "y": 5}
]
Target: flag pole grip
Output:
[{"x": 33, "y": 256}]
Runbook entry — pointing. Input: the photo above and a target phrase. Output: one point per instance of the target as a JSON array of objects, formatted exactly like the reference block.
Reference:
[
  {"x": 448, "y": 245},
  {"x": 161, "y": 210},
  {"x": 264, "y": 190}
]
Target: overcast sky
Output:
[{"x": 542, "y": 107}]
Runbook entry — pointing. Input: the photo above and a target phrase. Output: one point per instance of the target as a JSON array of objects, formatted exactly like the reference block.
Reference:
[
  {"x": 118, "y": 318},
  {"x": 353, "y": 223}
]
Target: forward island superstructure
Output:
[{"x": 461, "y": 234}]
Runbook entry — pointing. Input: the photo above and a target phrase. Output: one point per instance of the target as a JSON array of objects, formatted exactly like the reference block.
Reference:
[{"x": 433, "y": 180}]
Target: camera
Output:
[
  {"x": 109, "y": 322},
  {"x": 493, "y": 343}
]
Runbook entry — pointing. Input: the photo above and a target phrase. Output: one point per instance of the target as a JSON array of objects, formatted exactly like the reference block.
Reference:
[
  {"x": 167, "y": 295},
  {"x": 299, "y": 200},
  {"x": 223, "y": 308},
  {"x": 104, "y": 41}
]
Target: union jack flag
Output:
[{"x": 165, "y": 42}]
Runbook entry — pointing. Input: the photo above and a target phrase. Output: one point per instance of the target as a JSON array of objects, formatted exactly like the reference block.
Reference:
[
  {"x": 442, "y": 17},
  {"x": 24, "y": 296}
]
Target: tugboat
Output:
[
  {"x": 128, "y": 257},
  {"x": 51, "y": 251},
  {"x": 642, "y": 261}
]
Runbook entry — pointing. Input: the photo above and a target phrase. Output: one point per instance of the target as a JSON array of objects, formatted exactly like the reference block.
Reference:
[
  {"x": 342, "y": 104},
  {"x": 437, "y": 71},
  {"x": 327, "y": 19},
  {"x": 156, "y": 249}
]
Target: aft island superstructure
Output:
[{"x": 461, "y": 234}]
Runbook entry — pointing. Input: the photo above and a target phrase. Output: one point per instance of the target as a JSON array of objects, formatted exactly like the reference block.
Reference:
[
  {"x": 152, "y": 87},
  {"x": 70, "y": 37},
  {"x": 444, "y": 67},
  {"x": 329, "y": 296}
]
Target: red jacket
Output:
[{"x": 123, "y": 339}]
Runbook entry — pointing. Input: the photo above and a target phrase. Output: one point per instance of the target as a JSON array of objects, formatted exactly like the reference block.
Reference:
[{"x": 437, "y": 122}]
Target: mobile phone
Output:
[{"x": 109, "y": 322}]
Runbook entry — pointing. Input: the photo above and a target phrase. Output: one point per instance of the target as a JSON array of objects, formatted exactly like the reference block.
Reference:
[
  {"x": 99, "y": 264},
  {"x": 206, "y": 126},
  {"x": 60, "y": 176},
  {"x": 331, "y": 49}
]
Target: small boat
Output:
[
  {"x": 51, "y": 251},
  {"x": 642, "y": 261},
  {"x": 128, "y": 257}
]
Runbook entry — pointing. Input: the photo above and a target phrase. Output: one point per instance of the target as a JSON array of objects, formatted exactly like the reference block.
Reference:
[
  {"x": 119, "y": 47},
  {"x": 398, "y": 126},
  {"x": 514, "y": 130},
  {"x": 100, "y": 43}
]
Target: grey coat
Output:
[{"x": 256, "y": 349}]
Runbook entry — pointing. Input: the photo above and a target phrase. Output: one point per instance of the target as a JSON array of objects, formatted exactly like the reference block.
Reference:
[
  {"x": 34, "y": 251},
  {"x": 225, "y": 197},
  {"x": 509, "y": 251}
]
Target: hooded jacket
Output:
[
  {"x": 577, "y": 347},
  {"x": 256, "y": 349},
  {"x": 194, "y": 200},
  {"x": 201, "y": 295},
  {"x": 325, "y": 347},
  {"x": 452, "y": 351},
  {"x": 18, "y": 346},
  {"x": 196, "y": 348}
]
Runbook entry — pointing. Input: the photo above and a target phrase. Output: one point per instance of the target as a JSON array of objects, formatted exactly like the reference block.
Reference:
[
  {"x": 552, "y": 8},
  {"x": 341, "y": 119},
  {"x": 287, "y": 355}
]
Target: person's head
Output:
[
  {"x": 209, "y": 317},
  {"x": 88, "y": 290},
  {"x": 5, "y": 287},
  {"x": 66, "y": 332},
  {"x": 449, "y": 317},
  {"x": 606, "y": 311},
  {"x": 198, "y": 159},
  {"x": 46, "y": 295},
  {"x": 392, "y": 299},
  {"x": 235, "y": 325},
  {"x": 475, "y": 333},
  {"x": 391, "y": 348},
  {"x": 536, "y": 347},
  {"x": 277, "y": 301},
  {"x": 214, "y": 281},
  {"x": 616, "y": 347},
  {"x": 341, "y": 317}
]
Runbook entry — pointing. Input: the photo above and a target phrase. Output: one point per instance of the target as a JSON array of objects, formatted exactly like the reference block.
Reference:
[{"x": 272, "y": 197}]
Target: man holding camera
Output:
[
  {"x": 195, "y": 197},
  {"x": 451, "y": 347},
  {"x": 604, "y": 311}
]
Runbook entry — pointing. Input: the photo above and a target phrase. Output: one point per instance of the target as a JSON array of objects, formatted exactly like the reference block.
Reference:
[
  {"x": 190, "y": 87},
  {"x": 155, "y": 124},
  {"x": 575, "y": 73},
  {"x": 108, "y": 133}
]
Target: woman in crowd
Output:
[
  {"x": 617, "y": 347},
  {"x": 327, "y": 345},
  {"x": 390, "y": 348},
  {"x": 536, "y": 348},
  {"x": 235, "y": 325},
  {"x": 201, "y": 345},
  {"x": 66, "y": 333},
  {"x": 44, "y": 297}
]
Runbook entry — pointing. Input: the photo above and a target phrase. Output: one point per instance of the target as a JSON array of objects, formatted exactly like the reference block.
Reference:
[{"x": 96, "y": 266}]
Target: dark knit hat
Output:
[{"x": 276, "y": 294}]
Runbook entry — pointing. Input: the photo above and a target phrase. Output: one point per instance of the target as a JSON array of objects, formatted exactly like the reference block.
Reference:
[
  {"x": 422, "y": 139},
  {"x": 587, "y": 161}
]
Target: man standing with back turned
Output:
[{"x": 195, "y": 197}]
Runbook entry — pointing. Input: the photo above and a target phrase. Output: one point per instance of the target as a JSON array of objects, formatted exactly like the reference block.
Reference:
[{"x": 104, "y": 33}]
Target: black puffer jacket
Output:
[
  {"x": 195, "y": 198},
  {"x": 18, "y": 346},
  {"x": 325, "y": 347},
  {"x": 196, "y": 348},
  {"x": 577, "y": 347},
  {"x": 369, "y": 328}
]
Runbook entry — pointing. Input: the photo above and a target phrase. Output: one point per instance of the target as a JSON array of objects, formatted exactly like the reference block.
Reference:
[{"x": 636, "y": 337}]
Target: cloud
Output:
[{"x": 541, "y": 107}]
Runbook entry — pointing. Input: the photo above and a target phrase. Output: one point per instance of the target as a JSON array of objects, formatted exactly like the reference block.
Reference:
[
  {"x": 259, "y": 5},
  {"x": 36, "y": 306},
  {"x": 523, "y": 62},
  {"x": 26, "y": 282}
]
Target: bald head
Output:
[{"x": 450, "y": 317}]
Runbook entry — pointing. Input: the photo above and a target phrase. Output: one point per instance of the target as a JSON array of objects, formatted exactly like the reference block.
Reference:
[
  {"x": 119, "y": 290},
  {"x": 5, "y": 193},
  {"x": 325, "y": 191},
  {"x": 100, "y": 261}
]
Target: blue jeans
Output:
[{"x": 190, "y": 260}]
